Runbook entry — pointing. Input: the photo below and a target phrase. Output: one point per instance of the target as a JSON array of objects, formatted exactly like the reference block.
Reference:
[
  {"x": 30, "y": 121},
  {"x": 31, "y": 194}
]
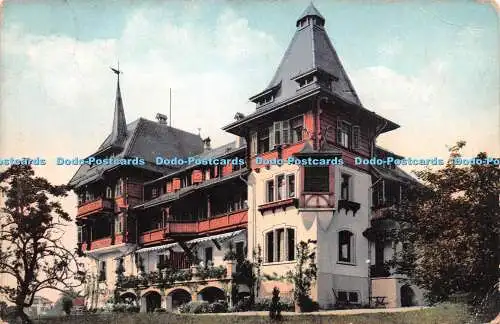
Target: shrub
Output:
[
  {"x": 194, "y": 307},
  {"x": 160, "y": 310},
  {"x": 307, "y": 305},
  {"x": 264, "y": 304},
  {"x": 218, "y": 307},
  {"x": 243, "y": 305},
  {"x": 211, "y": 272},
  {"x": 275, "y": 308}
]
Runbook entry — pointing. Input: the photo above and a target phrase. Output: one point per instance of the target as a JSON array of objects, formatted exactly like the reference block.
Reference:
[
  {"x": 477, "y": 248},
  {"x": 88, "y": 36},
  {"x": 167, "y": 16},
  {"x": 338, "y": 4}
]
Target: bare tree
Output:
[{"x": 32, "y": 225}]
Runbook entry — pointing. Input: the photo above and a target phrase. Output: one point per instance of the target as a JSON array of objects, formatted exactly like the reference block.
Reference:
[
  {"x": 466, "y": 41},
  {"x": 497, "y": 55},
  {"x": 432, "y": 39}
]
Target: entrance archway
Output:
[
  {"x": 407, "y": 296},
  {"x": 128, "y": 298},
  {"x": 212, "y": 294},
  {"x": 179, "y": 297},
  {"x": 153, "y": 301}
]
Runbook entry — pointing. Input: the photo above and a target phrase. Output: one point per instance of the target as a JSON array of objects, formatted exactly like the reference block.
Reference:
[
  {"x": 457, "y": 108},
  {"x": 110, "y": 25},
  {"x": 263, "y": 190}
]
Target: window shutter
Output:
[
  {"x": 271, "y": 138},
  {"x": 339, "y": 131},
  {"x": 277, "y": 133},
  {"x": 285, "y": 132},
  {"x": 355, "y": 137},
  {"x": 253, "y": 141}
]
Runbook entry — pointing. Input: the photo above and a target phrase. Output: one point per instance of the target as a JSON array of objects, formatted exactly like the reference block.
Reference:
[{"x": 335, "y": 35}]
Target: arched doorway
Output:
[
  {"x": 212, "y": 294},
  {"x": 179, "y": 297},
  {"x": 407, "y": 296},
  {"x": 153, "y": 301},
  {"x": 128, "y": 298}
]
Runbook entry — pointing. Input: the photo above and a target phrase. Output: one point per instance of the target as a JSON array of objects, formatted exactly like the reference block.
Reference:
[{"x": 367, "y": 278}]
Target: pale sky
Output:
[{"x": 430, "y": 66}]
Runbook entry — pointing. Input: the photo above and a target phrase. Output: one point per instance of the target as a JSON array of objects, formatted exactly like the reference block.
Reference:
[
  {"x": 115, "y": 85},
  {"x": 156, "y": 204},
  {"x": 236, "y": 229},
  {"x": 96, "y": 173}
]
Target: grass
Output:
[{"x": 444, "y": 314}]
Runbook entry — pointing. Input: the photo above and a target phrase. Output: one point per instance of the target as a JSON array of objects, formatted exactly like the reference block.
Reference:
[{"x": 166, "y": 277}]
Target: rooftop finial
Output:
[{"x": 311, "y": 12}]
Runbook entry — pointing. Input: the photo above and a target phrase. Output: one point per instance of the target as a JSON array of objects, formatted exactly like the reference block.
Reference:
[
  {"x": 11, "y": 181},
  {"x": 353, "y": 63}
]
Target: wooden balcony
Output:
[
  {"x": 230, "y": 220},
  {"x": 94, "y": 206},
  {"x": 97, "y": 244},
  {"x": 317, "y": 200},
  {"x": 153, "y": 236}
]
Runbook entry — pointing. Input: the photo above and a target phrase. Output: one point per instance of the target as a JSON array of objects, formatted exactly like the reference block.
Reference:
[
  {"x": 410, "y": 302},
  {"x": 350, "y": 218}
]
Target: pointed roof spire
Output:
[
  {"x": 119, "y": 131},
  {"x": 311, "y": 11}
]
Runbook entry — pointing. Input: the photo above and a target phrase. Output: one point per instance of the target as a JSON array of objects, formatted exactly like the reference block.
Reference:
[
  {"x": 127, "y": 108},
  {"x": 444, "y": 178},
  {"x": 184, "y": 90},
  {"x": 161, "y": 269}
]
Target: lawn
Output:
[{"x": 443, "y": 314}]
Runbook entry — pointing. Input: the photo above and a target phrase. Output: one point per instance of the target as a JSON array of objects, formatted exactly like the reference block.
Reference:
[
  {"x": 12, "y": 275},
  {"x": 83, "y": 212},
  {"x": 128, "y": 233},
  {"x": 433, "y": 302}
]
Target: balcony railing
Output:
[
  {"x": 153, "y": 236},
  {"x": 225, "y": 221},
  {"x": 317, "y": 200},
  {"x": 94, "y": 206}
]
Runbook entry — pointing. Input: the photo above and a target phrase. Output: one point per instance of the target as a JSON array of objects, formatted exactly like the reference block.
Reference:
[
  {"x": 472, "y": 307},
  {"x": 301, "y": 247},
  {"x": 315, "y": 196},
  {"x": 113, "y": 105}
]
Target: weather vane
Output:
[{"x": 117, "y": 70}]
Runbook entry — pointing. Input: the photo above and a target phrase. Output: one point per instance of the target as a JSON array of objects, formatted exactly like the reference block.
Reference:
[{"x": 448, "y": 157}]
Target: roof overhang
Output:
[{"x": 236, "y": 127}]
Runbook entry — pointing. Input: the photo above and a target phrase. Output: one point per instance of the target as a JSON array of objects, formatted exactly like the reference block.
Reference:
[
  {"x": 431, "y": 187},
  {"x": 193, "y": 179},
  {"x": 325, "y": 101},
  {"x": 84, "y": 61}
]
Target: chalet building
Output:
[{"x": 136, "y": 223}]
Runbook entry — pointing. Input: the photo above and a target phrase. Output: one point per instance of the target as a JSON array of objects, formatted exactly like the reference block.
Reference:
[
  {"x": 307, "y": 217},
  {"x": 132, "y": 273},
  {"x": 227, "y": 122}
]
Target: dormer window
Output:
[
  {"x": 266, "y": 100},
  {"x": 306, "y": 81}
]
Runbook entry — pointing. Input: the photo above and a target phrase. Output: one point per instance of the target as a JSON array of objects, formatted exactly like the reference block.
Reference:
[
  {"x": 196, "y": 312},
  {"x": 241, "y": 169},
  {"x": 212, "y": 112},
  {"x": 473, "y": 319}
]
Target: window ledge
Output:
[
  {"x": 347, "y": 263},
  {"x": 277, "y": 263},
  {"x": 348, "y": 205},
  {"x": 280, "y": 204}
]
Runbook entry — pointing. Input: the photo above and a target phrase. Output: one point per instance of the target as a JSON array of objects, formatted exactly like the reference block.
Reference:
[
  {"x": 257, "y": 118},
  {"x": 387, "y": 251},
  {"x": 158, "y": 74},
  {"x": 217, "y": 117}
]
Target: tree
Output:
[
  {"x": 32, "y": 224},
  {"x": 304, "y": 275},
  {"x": 449, "y": 230},
  {"x": 67, "y": 304}
]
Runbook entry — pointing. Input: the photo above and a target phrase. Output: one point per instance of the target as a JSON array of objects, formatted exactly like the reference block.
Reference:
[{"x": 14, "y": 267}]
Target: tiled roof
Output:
[
  {"x": 145, "y": 139},
  {"x": 218, "y": 152}
]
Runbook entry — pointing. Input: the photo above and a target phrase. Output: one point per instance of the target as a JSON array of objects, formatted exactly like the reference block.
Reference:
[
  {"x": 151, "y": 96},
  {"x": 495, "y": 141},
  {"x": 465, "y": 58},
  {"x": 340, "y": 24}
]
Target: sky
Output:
[{"x": 430, "y": 66}]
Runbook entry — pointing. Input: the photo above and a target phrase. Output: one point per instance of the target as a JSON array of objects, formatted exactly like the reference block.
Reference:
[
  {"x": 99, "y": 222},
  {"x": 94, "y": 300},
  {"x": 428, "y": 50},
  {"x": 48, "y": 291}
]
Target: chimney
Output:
[
  {"x": 206, "y": 143},
  {"x": 240, "y": 141},
  {"x": 161, "y": 118}
]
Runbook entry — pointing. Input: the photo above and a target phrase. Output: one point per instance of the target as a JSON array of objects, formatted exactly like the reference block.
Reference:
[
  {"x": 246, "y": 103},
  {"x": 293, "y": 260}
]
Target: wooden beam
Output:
[{"x": 217, "y": 245}]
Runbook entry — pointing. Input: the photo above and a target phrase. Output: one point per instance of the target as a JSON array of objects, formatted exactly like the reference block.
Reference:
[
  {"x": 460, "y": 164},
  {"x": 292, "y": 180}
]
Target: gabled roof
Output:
[{"x": 145, "y": 139}]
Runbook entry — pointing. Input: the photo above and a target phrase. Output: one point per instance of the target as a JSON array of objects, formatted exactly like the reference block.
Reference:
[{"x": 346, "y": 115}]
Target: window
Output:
[
  {"x": 119, "y": 188},
  {"x": 346, "y": 247},
  {"x": 277, "y": 132},
  {"x": 109, "y": 193},
  {"x": 102, "y": 270},
  {"x": 343, "y": 133},
  {"x": 306, "y": 81},
  {"x": 89, "y": 196},
  {"x": 355, "y": 137},
  {"x": 344, "y": 187},
  {"x": 240, "y": 251},
  {"x": 316, "y": 179},
  {"x": 118, "y": 224},
  {"x": 270, "y": 190},
  {"x": 208, "y": 256},
  {"x": 154, "y": 193},
  {"x": 263, "y": 140},
  {"x": 81, "y": 198},
  {"x": 291, "y": 244},
  {"x": 270, "y": 247},
  {"x": 290, "y": 183},
  {"x": 266, "y": 100},
  {"x": 280, "y": 187},
  {"x": 348, "y": 296},
  {"x": 280, "y": 245},
  {"x": 253, "y": 142},
  {"x": 297, "y": 128},
  {"x": 80, "y": 234}
]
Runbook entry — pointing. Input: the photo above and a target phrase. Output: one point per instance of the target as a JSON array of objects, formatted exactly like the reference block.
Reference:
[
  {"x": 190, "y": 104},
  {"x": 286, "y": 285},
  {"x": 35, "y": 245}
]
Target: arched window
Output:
[
  {"x": 109, "y": 192},
  {"x": 346, "y": 247},
  {"x": 280, "y": 245}
]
